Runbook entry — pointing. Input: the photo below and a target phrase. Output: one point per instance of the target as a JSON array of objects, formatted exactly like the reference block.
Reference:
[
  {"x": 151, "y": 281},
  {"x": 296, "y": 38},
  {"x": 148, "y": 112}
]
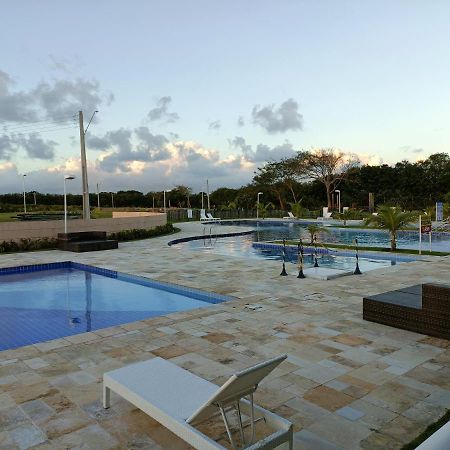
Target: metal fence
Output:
[{"x": 181, "y": 214}]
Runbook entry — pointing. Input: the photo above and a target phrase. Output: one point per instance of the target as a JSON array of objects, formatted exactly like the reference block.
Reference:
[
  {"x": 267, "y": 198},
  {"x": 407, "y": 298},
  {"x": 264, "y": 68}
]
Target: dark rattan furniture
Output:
[
  {"x": 422, "y": 308},
  {"x": 85, "y": 241}
]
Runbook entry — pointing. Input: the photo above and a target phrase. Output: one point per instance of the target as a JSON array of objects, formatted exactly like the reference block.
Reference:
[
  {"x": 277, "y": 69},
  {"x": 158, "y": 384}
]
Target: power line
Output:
[
  {"x": 31, "y": 127},
  {"x": 31, "y": 122},
  {"x": 46, "y": 130}
]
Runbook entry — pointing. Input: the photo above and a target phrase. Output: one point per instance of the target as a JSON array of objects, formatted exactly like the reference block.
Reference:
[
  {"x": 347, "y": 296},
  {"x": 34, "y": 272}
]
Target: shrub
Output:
[
  {"x": 27, "y": 244},
  {"x": 142, "y": 233}
]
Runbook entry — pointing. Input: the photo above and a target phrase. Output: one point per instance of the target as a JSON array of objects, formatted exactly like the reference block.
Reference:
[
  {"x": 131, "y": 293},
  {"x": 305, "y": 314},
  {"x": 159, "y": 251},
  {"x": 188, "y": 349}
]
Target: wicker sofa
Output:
[{"x": 422, "y": 308}]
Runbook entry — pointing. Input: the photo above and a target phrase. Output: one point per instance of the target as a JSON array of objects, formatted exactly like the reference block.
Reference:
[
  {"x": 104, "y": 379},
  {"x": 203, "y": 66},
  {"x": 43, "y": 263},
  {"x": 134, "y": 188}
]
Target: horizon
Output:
[{"x": 187, "y": 93}]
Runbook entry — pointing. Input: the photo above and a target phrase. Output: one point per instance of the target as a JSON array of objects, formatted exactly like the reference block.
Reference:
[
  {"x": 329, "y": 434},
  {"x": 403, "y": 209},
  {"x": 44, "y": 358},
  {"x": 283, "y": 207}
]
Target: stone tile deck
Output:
[{"x": 347, "y": 384}]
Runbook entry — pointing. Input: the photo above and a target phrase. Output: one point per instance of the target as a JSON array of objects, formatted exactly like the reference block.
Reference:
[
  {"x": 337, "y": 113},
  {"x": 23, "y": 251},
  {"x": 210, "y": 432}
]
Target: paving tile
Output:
[
  {"x": 27, "y": 436},
  {"x": 11, "y": 417},
  {"x": 340, "y": 431},
  {"x": 37, "y": 410},
  {"x": 350, "y": 413},
  {"x": 36, "y": 363},
  {"x": 312, "y": 441},
  {"x": 93, "y": 437},
  {"x": 338, "y": 385},
  {"x": 327, "y": 398},
  {"x": 374, "y": 416}
]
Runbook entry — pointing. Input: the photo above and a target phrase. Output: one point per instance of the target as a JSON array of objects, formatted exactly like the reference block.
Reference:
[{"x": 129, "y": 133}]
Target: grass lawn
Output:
[{"x": 7, "y": 217}]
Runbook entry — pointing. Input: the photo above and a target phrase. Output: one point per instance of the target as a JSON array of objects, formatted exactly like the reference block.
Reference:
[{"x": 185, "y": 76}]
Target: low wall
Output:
[
  {"x": 119, "y": 214},
  {"x": 14, "y": 231}
]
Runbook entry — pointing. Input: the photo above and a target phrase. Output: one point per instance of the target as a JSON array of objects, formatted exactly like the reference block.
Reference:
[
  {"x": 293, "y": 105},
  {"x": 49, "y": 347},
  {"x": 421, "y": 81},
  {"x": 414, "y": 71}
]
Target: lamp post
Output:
[
  {"x": 24, "y": 198},
  {"x": 67, "y": 177},
  {"x": 339, "y": 199},
  {"x": 165, "y": 190},
  {"x": 257, "y": 204}
]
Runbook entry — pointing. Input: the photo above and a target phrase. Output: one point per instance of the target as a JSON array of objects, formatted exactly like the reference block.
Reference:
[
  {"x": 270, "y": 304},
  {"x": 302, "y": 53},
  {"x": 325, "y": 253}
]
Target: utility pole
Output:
[
  {"x": 207, "y": 194},
  {"x": 86, "y": 207}
]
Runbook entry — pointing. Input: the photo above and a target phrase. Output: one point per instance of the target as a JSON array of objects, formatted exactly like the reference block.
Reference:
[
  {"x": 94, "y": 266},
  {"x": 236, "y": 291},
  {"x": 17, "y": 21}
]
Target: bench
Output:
[
  {"x": 422, "y": 308},
  {"x": 86, "y": 241},
  {"x": 43, "y": 216}
]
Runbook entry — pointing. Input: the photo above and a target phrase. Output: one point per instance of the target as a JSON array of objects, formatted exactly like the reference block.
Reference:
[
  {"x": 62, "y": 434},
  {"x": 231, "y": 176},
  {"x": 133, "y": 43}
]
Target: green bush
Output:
[
  {"x": 26, "y": 245},
  {"x": 134, "y": 234}
]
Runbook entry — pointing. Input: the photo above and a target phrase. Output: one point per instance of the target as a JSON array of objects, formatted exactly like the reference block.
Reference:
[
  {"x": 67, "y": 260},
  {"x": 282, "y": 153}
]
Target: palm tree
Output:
[
  {"x": 392, "y": 219},
  {"x": 314, "y": 229},
  {"x": 263, "y": 209},
  {"x": 296, "y": 208},
  {"x": 349, "y": 214}
]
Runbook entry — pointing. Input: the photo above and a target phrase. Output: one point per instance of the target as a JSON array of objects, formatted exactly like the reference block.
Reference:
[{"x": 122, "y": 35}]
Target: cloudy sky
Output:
[{"x": 212, "y": 89}]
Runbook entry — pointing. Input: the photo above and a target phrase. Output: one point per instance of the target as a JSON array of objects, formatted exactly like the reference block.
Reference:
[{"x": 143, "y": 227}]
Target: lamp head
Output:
[
  {"x": 260, "y": 193},
  {"x": 69, "y": 177}
]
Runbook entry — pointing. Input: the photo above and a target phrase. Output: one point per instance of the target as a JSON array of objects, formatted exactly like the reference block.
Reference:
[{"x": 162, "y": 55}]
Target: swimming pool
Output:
[
  {"x": 271, "y": 230},
  {"x": 244, "y": 246},
  {"x": 49, "y": 301}
]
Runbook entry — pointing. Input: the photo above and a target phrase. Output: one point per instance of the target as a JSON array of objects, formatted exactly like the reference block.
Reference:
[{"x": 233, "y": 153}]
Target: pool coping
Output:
[{"x": 217, "y": 235}]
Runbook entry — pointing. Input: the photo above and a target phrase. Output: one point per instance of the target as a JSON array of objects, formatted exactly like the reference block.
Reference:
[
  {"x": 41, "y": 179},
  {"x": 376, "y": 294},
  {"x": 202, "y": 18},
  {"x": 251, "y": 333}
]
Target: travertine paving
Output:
[{"x": 347, "y": 384}]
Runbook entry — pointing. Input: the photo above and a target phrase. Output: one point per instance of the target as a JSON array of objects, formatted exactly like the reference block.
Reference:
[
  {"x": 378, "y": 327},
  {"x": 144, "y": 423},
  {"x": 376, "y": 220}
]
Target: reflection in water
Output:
[{"x": 88, "y": 283}]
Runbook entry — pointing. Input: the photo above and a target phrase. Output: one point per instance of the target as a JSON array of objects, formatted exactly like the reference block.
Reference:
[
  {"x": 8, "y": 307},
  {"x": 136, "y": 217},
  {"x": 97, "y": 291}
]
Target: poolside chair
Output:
[
  {"x": 210, "y": 217},
  {"x": 203, "y": 216},
  {"x": 180, "y": 400},
  {"x": 290, "y": 216}
]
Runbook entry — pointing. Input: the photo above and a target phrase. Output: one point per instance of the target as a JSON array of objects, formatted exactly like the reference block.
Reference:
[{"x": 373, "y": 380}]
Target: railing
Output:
[{"x": 180, "y": 214}]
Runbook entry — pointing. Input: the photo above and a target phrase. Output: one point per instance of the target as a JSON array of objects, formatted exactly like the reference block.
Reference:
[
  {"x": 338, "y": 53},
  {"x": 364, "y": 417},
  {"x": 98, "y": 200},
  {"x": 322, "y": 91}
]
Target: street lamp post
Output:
[
  {"x": 339, "y": 199},
  {"x": 67, "y": 177},
  {"x": 166, "y": 190},
  {"x": 24, "y": 197},
  {"x": 257, "y": 204}
]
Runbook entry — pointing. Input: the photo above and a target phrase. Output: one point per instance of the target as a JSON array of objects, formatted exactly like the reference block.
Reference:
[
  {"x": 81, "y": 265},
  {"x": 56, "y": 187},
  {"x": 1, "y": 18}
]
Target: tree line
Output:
[{"x": 310, "y": 179}]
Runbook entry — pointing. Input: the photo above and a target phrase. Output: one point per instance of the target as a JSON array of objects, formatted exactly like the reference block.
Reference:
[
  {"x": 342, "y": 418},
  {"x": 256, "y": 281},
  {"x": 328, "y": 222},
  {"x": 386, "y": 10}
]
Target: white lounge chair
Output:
[
  {"x": 203, "y": 216},
  {"x": 210, "y": 217},
  {"x": 179, "y": 400},
  {"x": 290, "y": 216}
]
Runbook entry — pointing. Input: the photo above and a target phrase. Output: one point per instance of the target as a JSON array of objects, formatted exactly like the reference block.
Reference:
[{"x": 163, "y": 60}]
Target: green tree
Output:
[
  {"x": 296, "y": 208},
  {"x": 271, "y": 177},
  {"x": 314, "y": 230},
  {"x": 264, "y": 209},
  {"x": 392, "y": 219}
]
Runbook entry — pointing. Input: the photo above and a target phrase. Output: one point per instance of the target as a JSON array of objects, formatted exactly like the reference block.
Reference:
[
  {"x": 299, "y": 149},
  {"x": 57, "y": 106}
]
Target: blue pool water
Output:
[
  {"x": 244, "y": 247},
  {"x": 67, "y": 298},
  {"x": 272, "y": 230}
]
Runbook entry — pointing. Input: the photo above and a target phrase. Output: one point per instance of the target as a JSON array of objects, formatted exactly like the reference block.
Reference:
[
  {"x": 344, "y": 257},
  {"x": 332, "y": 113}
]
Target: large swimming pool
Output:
[
  {"x": 245, "y": 247},
  {"x": 49, "y": 301},
  {"x": 271, "y": 230}
]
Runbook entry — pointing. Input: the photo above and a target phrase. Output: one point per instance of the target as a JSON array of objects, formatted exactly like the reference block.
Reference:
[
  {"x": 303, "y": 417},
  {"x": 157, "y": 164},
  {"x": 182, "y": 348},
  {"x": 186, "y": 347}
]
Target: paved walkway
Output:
[{"x": 347, "y": 383}]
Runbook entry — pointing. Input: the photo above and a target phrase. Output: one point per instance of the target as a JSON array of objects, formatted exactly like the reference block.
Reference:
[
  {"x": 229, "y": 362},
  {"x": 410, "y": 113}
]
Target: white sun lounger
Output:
[
  {"x": 179, "y": 400},
  {"x": 210, "y": 217},
  {"x": 290, "y": 216},
  {"x": 203, "y": 215}
]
